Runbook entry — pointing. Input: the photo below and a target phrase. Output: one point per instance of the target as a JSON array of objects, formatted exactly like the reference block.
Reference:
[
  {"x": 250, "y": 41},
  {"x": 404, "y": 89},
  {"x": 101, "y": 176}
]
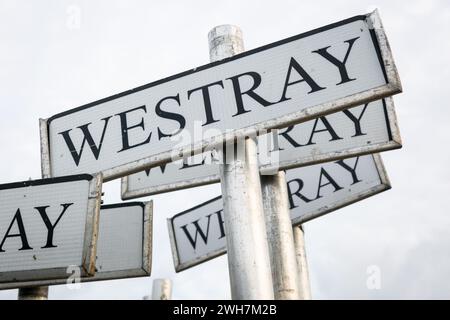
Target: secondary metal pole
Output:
[
  {"x": 299, "y": 239},
  {"x": 280, "y": 236},
  {"x": 33, "y": 293},
  {"x": 247, "y": 248},
  {"x": 39, "y": 293},
  {"x": 162, "y": 289}
]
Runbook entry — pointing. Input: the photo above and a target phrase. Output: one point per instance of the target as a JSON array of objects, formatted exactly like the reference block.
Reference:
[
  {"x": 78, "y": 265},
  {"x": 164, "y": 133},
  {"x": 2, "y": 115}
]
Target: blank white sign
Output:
[
  {"x": 122, "y": 238},
  {"x": 198, "y": 234}
]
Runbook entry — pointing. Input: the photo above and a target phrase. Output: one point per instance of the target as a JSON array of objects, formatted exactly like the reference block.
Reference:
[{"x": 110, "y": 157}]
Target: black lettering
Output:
[
  {"x": 300, "y": 185},
  {"x": 170, "y": 115},
  {"x": 86, "y": 137},
  {"x": 250, "y": 92},
  {"x": 289, "y": 139},
  {"x": 324, "y": 173},
  {"x": 21, "y": 234},
  {"x": 327, "y": 128},
  {"x": 51, "y": 227},
  {"x": 198, "y": 231},
  {"x": 221, "y": 223},
  {"x": 305, "y": 77},
  {"x": 187, "y": 165},
  {"x": 206, "y": 100},
  {"x": 161, "y": 167},
  {"x": 339, "y": 64},
  {"x": 356, "y": 121},
  {"x": 125, "y": 128},
  {"x": 352, "y": 170}
]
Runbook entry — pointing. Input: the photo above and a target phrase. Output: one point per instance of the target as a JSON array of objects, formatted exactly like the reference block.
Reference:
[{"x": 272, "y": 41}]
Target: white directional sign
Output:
[
  {"x": 124, "y": 248},
  {"x": 322, "y": 71},
  {"x": 198, "y": 234},
  {"x": 125, "y": 241},
  {"x": 47, "y": 225},
  {"x": 360, "y": 130}
]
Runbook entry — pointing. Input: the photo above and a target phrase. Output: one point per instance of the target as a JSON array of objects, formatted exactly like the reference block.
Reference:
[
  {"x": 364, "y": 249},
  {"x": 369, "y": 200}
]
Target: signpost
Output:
[
  {"x": 360, "y": 130},
  {"x": 47, "y": 225},
  {"x": 301, "y": 139},
  {"x": 319, "y": 72},
  {"x": 247, "y": 246},
  {"x": 198, "y": 234},
  {"x": 323, "y": 95},
  {"x": 124, "y": 247}
]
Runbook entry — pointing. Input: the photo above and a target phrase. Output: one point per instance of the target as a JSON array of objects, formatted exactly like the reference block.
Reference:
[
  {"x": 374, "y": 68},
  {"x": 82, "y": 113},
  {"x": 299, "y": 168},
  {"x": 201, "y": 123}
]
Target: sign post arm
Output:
[{"x": 248, "y": 252}]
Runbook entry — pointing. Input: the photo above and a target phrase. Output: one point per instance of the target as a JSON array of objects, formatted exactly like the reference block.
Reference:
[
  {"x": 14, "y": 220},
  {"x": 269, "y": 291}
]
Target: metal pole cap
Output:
[{"x": 225, "y": 41}]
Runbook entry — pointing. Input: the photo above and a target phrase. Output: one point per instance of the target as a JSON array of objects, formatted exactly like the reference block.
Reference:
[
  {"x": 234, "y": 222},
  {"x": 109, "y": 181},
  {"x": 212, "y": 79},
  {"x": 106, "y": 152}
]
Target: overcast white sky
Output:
[{"x": 50, "y": 63}]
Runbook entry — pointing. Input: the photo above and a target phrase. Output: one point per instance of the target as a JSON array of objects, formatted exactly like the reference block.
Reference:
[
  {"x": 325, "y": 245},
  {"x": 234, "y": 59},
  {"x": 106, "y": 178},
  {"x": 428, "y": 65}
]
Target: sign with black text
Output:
[
  {"x": 47, "y": 225},
  {"x": 198, "y": 234},
  {"x": 333, "y": 68},
  {"x": 124, "y": 247},
  {"x": 360, "y": 130}
]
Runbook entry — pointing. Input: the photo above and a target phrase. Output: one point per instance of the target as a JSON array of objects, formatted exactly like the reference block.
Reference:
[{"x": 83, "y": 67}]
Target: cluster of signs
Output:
[{"x": 324, "y": 96}]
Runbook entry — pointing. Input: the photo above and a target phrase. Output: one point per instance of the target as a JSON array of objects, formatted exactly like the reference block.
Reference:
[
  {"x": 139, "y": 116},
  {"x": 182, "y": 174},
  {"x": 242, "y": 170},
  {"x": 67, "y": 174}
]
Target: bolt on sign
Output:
[
  {"x": 198, "y": 234},
  {"x": 47, "y": 225},
  {"x": 124, "y": 247},
  {"x": 335, "y": 67},
  {"x": 360, "y": 130}
]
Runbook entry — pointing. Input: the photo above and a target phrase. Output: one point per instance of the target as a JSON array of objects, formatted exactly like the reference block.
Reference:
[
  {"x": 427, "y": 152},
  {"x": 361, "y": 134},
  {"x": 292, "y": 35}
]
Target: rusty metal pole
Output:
[
  {"x": 280, "y": 236},
  {"x": 247, "y": 248},
  {"x": 304, "y": 285}
]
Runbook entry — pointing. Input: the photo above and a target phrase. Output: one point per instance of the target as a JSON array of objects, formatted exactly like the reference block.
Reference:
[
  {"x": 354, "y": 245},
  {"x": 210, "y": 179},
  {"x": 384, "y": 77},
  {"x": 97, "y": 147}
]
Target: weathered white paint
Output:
[
  {"x": 27, "y": 253},
  {"x": 369, "y": 62},
  {"x": 247, "y": 247},
  {"x": 122, "y": 239},
  {"x": 124, "y": 248},
  {"x": 285, "y": 273},
  {"x": 302, "y": 263},
  {"x": 369, "y": 171},
  {"x": 162, "y": 289},
  {"x": 39, "y": 293},
  {"x": 377, "y": 131}
]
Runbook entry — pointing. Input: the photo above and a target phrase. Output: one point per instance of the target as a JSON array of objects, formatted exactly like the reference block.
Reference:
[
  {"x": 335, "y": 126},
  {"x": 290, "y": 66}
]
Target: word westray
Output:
[
  {"x": 284, "y": 83},
  {"x": 245, "y": 92}
]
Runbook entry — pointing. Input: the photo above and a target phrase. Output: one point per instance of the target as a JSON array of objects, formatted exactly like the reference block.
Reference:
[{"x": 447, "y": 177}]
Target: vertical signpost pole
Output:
[
  {"x": 280, "y": 237},
  {"x": 248, "y": 252},
  {"x": 304, "y": 286},
  {"x": 162, "y": 289},
  {"x": 33, "y": 293},
  {"x": 39, "y": 293}
]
